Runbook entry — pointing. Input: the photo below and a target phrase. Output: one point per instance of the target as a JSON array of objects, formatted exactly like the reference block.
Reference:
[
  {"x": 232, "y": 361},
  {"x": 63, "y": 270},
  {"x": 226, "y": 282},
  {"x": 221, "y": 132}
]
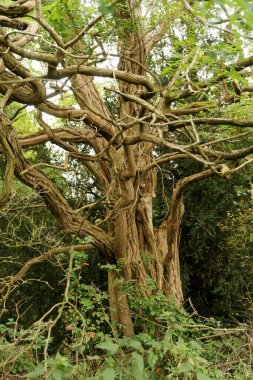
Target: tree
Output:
[{"x": 179, "y": 89}]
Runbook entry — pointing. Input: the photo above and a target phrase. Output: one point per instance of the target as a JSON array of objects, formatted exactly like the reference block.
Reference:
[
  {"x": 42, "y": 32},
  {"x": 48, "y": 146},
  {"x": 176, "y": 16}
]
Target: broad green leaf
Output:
[
  {"x": 185, "y": 367},
  {"x": 151, "y": 359},
  {"x": 36, "y": 373},
  {"x": 109, "y": 346},
  {"x": 108, "y": 374},
  {"x": 135, "y": 344},
  {"x": 202, "y": 376},
  {"x": 57, "y": 374},
  {"x": 138, "y": 366}
]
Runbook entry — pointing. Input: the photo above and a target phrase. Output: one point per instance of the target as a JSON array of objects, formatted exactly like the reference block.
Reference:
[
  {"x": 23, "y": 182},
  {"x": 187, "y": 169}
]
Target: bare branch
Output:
[
  {"x": 102, "y": 72},
  {"x": 44, "y": 256},
  {"x": 211, "y": 121}
]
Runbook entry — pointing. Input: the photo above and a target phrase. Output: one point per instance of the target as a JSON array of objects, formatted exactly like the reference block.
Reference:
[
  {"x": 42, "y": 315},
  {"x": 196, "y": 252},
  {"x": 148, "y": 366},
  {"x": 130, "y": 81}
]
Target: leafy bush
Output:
[
  {"x": 168, "y": 344},
  {"x": 216, "y": 247}
]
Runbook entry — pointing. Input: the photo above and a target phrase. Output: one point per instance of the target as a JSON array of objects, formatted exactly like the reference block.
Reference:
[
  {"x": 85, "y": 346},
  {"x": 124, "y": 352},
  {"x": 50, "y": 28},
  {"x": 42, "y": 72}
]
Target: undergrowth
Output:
[{"x": 170, "y": 342}]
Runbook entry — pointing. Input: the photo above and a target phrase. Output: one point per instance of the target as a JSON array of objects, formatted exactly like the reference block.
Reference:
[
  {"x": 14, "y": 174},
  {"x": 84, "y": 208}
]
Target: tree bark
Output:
[
  {"x": 142, "y": 250},
  {"x": 119, "y": 308}
]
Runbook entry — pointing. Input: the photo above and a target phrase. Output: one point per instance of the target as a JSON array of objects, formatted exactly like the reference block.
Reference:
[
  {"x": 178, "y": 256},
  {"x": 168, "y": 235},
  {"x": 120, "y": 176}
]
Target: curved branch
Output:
[
  {"x": 162, "y": 142},
  {"x": 16, "y": 10},
  {"x": 75, "y": 135},
  {"x": 34, "y": 55},
  {"x": 73, "y": 152},
  {"x": 44, "y": 256},
  {"x": 210, "y": 121},
  {"x": 29, "y": 28},
  {"x": 77, "y": 115},
  {"x": 143, "y": 103},
  {"x": 164, "y": 158},
  {"x": 20, "y": 70},
  {"x": 105, "y": 73},
  {"x": 24, "y": 93}
]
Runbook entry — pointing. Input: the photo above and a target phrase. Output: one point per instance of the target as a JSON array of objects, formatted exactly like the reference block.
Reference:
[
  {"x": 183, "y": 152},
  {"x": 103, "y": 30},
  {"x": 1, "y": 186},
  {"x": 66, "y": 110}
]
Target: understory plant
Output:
[{"x": 169, "y": 342}]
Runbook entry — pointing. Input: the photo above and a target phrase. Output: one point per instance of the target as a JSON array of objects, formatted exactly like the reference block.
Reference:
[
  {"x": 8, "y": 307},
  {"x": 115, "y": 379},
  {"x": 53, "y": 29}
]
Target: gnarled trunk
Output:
[{"x": 141, "y": 250}]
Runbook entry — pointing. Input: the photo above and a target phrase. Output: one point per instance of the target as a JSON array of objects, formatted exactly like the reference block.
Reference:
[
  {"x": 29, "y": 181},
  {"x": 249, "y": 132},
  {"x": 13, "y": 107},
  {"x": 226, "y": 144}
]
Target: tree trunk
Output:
[
  {"x": 119, "y": 308},
  {"x": 141, "y": 250}
]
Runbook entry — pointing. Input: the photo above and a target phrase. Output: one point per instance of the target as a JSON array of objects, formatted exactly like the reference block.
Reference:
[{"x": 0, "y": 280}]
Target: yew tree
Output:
[{"x": 128, "y": 90}]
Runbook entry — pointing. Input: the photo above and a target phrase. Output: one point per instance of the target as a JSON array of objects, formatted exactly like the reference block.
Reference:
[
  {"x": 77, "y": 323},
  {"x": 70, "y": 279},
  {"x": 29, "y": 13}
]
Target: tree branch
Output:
[
  {"x": 44, "y": 256},
  {"x": 104, "y": 73},
  {"x": 70, "y": 221},
  {"x": 210, "y": 121}
]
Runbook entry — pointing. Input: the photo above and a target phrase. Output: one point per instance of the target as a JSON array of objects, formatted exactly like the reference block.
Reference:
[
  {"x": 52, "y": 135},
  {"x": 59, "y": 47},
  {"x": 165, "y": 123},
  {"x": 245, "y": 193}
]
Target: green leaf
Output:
[
  {"x": 135, "y": 344},
  {"x": 37, "y": 372},
  {"x": 166, "y": 70},
  {"x": 138, "y": 366},
  {"x": 212, "y": 54},
  {"x": 57, "y": 374},
  {"x": 185, "y": 367},
  {"x": 106, "y": 9},
  {"x": 202, "y": 376},
  {"x": 151, "y": 359},
  {"x": 108, "y": 374},
  {"x": 108, "y": 345}
]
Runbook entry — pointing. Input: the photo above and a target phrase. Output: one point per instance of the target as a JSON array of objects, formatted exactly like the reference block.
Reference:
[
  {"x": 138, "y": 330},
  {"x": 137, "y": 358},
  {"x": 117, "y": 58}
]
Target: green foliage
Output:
[
  {"x": 169, "y": 344},
  {"x": 24, "y": 120},
  {"x": 216, "y": 247},
  {"x": 58, "y": 368},
  {"x": 16, "y": 357},
  {"x": 69, "y": 17},
  {"x": 106, "y": 8},
  {"x": 62, "y": 13}
]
